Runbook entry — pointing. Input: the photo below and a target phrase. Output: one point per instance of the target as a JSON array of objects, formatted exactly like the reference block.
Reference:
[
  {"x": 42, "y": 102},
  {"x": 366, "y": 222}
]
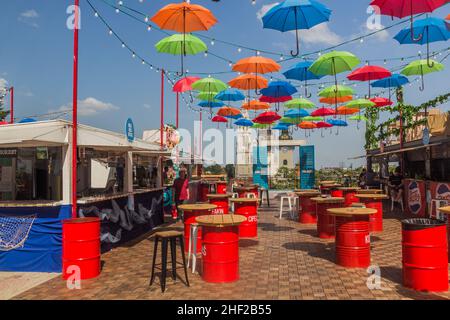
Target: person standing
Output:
[{"x": 181, "y": 190}]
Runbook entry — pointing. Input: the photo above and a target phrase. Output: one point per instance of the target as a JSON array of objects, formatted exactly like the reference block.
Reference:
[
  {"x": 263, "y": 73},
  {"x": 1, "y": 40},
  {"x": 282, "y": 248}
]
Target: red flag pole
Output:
[
  {"x": 178, "y": 109},
  {"x": 162, "y": 109},
  {"x": 11, "y": 104},
  {"x": 75, "y": 110}
]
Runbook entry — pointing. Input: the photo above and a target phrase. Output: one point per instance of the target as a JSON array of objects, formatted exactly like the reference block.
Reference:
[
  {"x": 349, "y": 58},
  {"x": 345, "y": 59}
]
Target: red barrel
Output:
[
  {"x": 424, "y": 254},
  {"x": 307, "y": 214},
  {"x": 189, "y": 218},
  {"x": 220, "y": 254},
  {"x": 350, "y": 198},
  {"x": 376, "y": 220},
  {"x": 203, "y": 191},
  {"x": 249, "y": 209},
  {"x": 221, "y": 201},
  {"x": 221, "y": 187},
  {"x": 336, "y": 193},
  {"x": 81, "y": 247},
  {"x": 353, "y": 241},
  {"x": 326, "y": 221},
  {"x": 242, "y": 192}
]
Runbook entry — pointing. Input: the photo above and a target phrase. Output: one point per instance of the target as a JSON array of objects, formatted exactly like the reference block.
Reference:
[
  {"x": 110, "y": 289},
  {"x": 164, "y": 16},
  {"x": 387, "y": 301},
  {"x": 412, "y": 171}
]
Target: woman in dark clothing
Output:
[{"x": 396, "y": 184}]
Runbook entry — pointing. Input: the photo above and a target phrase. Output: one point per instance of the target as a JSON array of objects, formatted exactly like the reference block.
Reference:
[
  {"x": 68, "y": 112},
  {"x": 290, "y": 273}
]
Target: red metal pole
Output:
[
  {"x": 75, "y": 111},
  {"x": 201, "y": 137},
  {"x": 11, "y": 104},
  {"x": 162, "y": 108},
  {"x": 178, "y": 109}
]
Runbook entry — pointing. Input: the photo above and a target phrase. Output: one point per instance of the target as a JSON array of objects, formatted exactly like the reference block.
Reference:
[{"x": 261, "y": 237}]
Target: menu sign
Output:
[{"x": 8, "y": 153}]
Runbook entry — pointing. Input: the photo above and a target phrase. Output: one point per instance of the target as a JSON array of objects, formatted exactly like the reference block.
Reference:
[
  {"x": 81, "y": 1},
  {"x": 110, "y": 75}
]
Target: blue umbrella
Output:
[
  {"x": 238, "y": 116},
  {"x": 338, "y": 123},
  {"x": 430, "y": 29},
  {"x": 281, "y": 127},
  {"x": 244, "y": 122},
  {"x": 211, "y": 104},
  {"x": 278, "y": 89},
  {"x": 295, "y": 15},
  {"x": 296, "y": 113},
  {"x": 27, "y": 120},
  {"x": 230, "y": 95},
  {"x": 300, "y": 72},
  {"x": 394, "y": 81}
]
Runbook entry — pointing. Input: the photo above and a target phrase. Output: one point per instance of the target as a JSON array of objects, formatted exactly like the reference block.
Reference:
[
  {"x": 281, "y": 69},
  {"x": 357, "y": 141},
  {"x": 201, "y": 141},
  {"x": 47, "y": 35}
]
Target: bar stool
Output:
[
  {"x": 165, "y": 237},
  {"x": 263, "y": 191},
  {"x": 292, "y": 203},
  {"x": 235, "y": 195},
  {"x": 250, "y": 196},
  {"x": 192, "y": 251}
]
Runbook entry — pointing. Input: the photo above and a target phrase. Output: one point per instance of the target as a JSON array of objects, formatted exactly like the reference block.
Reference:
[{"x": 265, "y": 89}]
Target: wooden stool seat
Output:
[{"x": 168, "y": 234}]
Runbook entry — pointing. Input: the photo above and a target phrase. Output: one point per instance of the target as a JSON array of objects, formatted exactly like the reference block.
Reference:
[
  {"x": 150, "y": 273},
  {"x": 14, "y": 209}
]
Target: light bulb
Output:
[
  {"x": 96, "y": 14},
  {"x": 239, "y": 49}
]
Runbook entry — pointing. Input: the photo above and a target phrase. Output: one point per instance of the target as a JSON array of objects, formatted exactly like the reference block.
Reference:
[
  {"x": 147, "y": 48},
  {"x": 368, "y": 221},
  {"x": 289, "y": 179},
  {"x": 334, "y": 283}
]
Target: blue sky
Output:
[{"x": 36, "y": 58}]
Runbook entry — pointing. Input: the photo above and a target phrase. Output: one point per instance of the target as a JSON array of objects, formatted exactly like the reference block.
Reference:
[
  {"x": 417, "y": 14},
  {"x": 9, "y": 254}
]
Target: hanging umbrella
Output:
[
  {"x": 299, "y": 103},
  {"x": 296, "y": 113},
  {"x": 405, "y": 8},
  {"x": 281, "y": 127},
  {"x": 181, "y": 44},
  {"x": 274, "y": 100},
  {"x": 300, "y": 72},
  {"x": 337, "y": 123},
  {"x": 219, "y": 119},
  {"x": 323, "y": 112},
  {"x": 344, "y": 111},
  {"x": 421, "y": 68},
  {"x": 211, "y": 104},
  {"x": 268, "y": 117},
  {"x": 291, "y": 121},
  {"x": 369, "y": 73},
  {"x": 228, "y": 111},
  {"x": 255, "y": 105},
  {"x": 360, "y": 104},
  {"x": 184, "y": 84},
  {"x": 430, "y": 29},
  {"x": 292, "y": 15},
  {"x": 230, "y": 95},
  {"x": 207, "y": 96},
  {"x": 395, "y": 81},
  {"x": 313, "y": 118},
  {"x": 358, "y": 118},
  {"x": 278, "y": 89},
  {"x": 209, "y": 85},
  {"x": 260, "y": 126},
  {"x": 337, "y": 99},
  {"x": 244, "y": 123},
  {"x": 235, "y": 117},
  {"x": 382, "y": 102},
  {"x": 256, "y": 64},
  {"x": 307, "y": 125},
  {"x": 27, "y": 120},
  {"x": 248, "y": 82},
  {"x": 336, "y": 92},
  {"x": 323, "y": 125}
]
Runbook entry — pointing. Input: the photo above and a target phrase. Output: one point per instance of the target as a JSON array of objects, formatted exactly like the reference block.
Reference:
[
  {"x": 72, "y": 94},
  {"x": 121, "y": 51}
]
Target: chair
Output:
[
  {"x": 292, "y": 201},
  {"x": 263, "y": 191},
  {"x": 192, "y": 250},
  {"x": 166, "y": 237}
]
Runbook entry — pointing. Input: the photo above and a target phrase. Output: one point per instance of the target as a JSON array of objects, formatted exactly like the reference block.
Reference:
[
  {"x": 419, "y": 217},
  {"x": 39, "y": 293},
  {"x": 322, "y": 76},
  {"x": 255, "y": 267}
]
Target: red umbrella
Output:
[
  {"x": 3, "y": 123},
  {"x": 382, "y": 102},
  {"x": 323, "y": 112},
  {"x": 275, "y": 100},
  {"x": 219, "y": 119},
  {"x": 268, "y": 117},
  {"x": 369, "y": 73},
  {"x": 184, "y": 84},
  {"x": 321, "y": 125}
]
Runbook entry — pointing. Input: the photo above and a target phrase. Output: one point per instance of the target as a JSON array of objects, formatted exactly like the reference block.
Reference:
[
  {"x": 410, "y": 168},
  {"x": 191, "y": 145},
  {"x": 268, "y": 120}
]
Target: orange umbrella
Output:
[
  {"x": 255, "y": 105},
  {"x": 343, "y": 110},
  {"x": 333, "y": 100},
  {"x": 447, "y": 17},
  {"x": 184, "y": 17},
  {"x": 256, "y": 64},
  {"x": 249, "y": 81},
  {"x": 228, "y": 111}
]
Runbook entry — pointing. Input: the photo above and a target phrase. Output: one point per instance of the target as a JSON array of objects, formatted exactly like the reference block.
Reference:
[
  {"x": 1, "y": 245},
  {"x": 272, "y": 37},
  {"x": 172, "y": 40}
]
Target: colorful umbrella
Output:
[
  {"x": 421, "y": 67},
  {"x": 255, "y": 105},
  {"x": 278, "y": 89},
  {"x": 313, "y": 118},
  {"x": 369, "y": 73},
  {"x": 260, "y": 126},
  {"x": 27, "y": 120},
  {"x": 395, "y": 81},
  {"x": 344, "y": 111},
  {"x": 230, "y": 95},
  {"x": 256, "y": 65},
  {"x": 300, "y": 72},
  {"x": 295, "y": 15},
  {"x": 404, "y": 8},
  {"x": 228, "y": 111},
  {"x": 299, "y": 103},
  {"x": 296, "y": 113},
  {"x": 287, "y": 120},
  {"x": 274, "y": 100},
  {"x": 2, "y": 123},
  {"x": 235, "y": 117},
  {"x": 219, "y": 119},
  {"x": 181, "y": 44},
  {"x": 358, "y": 118},
  {"x": 184, "y": 17},
  {"x": 184, "y": 84},
  {"x": 323, "y": 125},
  {"x": 268, "y": 117},
  {"x": 248, "y": 82},
  {"x": 207, "y": 96},
  {"x": 211, "y": 104},
  {"x": 430, "y": 29},
  {"x": 360, "y": 104},
  {"x": 382, "y": 102},
  {"x": 336, "y": 92},
  {"x": 337, "y": 123},
  {"x": 244, "y": 123},
  {"x": 307, "y": 125},
  {"x": 209, "y": 85},
  {"x": 337, "y": 99},
  {"x": 323, "y": 112},
  {"x": 281, "y": 127}
]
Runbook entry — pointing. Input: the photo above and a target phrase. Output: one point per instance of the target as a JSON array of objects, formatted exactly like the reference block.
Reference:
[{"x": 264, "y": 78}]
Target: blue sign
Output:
[
  {"x": 129, "y": 130},
  {"x": 307, "y": 167},
  {"x": 260, "y": 167},
  {"x": 426, "y": 136}
]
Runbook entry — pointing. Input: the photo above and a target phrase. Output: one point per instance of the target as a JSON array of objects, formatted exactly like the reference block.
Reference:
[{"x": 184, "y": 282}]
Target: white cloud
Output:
[
  {"x": 264, "y": 9},
  {"x": 147, "y": 106},
  {"x": 29, "y": 17},
  {"x": 3, "y": 83},
  {"x": 89, "y": 107}
]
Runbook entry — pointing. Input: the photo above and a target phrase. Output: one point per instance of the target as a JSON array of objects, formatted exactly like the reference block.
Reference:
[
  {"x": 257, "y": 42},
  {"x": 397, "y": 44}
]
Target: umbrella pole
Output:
[
  {"x": 429, "y": 63},
  {"x": 307, "y": 95},
  {"x": 413, "y": 38},
  {"x": 296, "y": 36},
  {"x": 422, "y": 87}
]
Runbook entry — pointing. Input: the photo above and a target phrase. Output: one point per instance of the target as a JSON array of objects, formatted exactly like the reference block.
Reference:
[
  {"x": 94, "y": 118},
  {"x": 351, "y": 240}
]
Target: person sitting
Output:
[
  {"x": 372, "y": 181},
  {"x": 361, "y": 179},
  {"x": 396, "y": 185}
]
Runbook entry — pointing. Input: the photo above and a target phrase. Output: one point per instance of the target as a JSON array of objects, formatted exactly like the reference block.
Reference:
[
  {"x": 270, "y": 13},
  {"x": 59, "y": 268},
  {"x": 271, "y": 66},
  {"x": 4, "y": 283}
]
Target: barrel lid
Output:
[
  {"x": 352, "y": 211},
  {"x": 327, "y": 182},
  {"x": 82, "y": 220},
  {"x": 328, "y": 199},
  {"x": 246, "y": 188},
  {"x": 445, "y": 210},
  {"x": 349, "y": 188},
  {"x": 306, "y": 193},
  {"x": 421, "y": 223},
  {"x": 218, "y": 196},
  {"x": 371, "y": 196},
  {"x": 370, "y": 191},
  {"x": 244, "y": 200},
  {"x": 220, "y": 221},
  {"x": 197, "y": 206}
]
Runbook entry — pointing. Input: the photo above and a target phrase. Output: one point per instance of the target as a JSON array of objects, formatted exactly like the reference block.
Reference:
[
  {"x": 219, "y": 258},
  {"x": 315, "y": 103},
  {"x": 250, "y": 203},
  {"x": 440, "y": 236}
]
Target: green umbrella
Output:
[
  {"x": 360, "y": 104},
  {"x": 181, "y": 44},
  {"x": 336, "y": 91},
  {"x": 290, "y": 120},
  {"x": 312, "y": 118},
  {"x": 421, "y": 68},
  {"x": 359, "y": 118},
  {"x": 206, "y": 96},
  {"x": 209, "y": 85},
  {"x": 300, "y": 103},
  {"x": 260, "y": 126}
]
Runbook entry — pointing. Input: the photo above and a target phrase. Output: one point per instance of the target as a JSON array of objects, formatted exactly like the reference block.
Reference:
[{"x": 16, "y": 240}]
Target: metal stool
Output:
[
  {"x": 263, "y": 191},
  {"x": 165, "y": 237},
  {"x": 193, "y": 246},
  {"x": 235, "y": 195},
  {"x": 292, "y": 202}
]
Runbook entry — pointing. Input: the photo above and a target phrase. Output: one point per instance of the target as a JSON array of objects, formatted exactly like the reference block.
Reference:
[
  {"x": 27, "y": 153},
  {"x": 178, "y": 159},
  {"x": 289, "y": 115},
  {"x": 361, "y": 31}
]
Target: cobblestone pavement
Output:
[{"x": 287, "y": 261}]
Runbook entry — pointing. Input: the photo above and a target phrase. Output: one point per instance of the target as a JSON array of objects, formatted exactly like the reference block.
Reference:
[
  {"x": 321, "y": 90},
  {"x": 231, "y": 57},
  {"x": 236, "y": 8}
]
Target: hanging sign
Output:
[
  {"x": 426, "y": 136},
  {"x": 129, "y": 130}
]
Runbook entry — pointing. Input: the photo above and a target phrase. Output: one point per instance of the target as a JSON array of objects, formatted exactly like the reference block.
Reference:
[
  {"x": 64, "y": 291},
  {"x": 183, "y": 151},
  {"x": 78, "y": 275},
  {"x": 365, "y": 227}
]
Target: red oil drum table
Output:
[
  {"x": 331, "y": 189},
  {"x": 221, "y": 187},
  {"x": 352, "y": 236},
  {"x": 247, "y": 207},
  {"x": 446, "y": 210},
  {"x": 374, "y": 201},
  {"x": 190, "y": 212},
  {"x": 81, "y": 247},
  {"x": 307, "y": 213},
  {"x": 221, "y": 201},
  {"x": 204, "y": 189},
  {"x": 220, "y": 249},
  {"x": 243, "y": 191},
  {"x": 349, "y": 194},
  {"x": 325, "y": 221},
  {"x": 370, "y": 191}
]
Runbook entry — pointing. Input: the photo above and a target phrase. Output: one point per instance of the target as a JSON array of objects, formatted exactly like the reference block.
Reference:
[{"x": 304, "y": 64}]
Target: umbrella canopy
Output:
[
  {"x": 209, "y": 85},
  {"x": 299, "y": 103},
  {"x": 360, "y": 104},
  {"x": 323, "y": 124},
  {"x": 323, "y": 112},
  {"x": 219, "y": 119},
  {"x": 260, "y": 126},
  {"x": 2, "y": 123},
  {"x": 277, "y": 89},
  {"x": 207, "y": 96},
  {"x": 230, "y": 95},
  {"x": 228, "y": 111},
  {"x": 313, "y": 118},
  {"x": 184, "y": 84},
  {"x": 307, "y": 125},
  {"x": 281, "y": 127},
  {"x": 256, "y": 64},
  {"x": 382, "y": 102},
  {"x": 369, "y": 73},
  {"x": 336, "y": 92},
  {"x": 295, "y": 15},
  {"x": 211, "y": 104},
  {"x": 333, "y": 63},
  {"x": 300, "y": 72},
  {"x": 267, "y": 117},
  {"x": 275, "y": 100},
  {"x": 255, "y": 105},
  {"x": 244, "y": 123},
  {"x": 290, "y": 121},
  {"x": 337, "y": 99},
  {"x": 296, "y": 113},
  {"x": 184, "y": 17},
  {"x": 27, "y": 120},
  {"x": 344, "y": 111},
  {"x": 394, "y": 81},
  {"x": 248, "y": 82},
  {"x": 235, "y": 117},
  {"x": 337, "y": 122},
  {"x": 358, "y": 118},
  {"x": 422, "y": 67}
]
